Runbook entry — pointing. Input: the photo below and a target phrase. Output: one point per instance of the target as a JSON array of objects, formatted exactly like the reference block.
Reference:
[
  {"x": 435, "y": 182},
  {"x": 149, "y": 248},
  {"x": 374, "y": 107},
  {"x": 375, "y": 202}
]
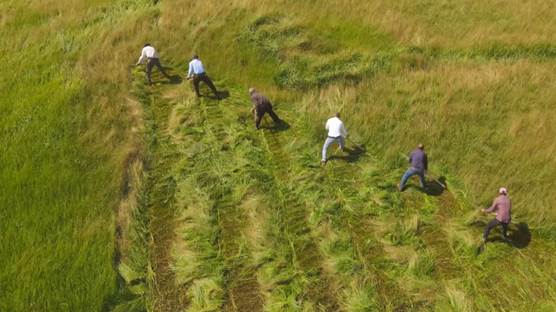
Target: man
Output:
[
  {"x": 149, "y": 53},
  {"x": 336, "y": 134},
  {"x": 419, "y": 165},
  {"x": 261, "y": 106},
  {"x": 502, "y": 205},
  {"x": 198, "y": 74}
]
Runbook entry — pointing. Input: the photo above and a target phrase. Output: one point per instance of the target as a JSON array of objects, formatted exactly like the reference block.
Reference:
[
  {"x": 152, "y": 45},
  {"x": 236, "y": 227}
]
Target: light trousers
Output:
[{"x": 329, "y": 141}]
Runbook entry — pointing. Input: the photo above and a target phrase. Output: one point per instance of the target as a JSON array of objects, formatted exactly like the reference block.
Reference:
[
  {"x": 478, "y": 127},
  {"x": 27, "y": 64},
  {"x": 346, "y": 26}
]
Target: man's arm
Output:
[
  {"x": 343, "y": 131},
  {"x": 142, "y": 57},
  {"x": 493, "y": 207},
  {"x": 190, "y": 71},
  {"x": 254, "y": 108}
]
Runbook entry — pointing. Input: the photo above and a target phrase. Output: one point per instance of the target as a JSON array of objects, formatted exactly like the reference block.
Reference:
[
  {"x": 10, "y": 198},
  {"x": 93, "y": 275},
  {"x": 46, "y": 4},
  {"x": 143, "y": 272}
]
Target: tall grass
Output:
[{"x": 60, "y": 186}]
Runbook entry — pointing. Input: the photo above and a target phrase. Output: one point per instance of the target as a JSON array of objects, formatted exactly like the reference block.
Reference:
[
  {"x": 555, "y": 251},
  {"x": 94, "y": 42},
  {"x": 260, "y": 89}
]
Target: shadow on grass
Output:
[
  {"x": 174, "y": 79},
  {"x": 350, "y": 154},
  {"x": 280, "y": 126},
  {"x": 519, "y": 234},
  {"x": 436, "y": 187},
  {"x": 221, "y": 95},
  {"x": 247, "y": 120}
]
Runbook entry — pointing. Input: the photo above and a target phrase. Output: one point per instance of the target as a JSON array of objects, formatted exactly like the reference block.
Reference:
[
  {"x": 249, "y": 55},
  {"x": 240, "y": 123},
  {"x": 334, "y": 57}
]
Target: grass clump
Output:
[{"x": 305, "y": 60}]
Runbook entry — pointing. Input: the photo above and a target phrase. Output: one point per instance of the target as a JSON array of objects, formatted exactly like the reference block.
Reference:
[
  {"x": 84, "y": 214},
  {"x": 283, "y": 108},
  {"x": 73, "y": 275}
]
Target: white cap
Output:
[{"x": 503, "y": 190}]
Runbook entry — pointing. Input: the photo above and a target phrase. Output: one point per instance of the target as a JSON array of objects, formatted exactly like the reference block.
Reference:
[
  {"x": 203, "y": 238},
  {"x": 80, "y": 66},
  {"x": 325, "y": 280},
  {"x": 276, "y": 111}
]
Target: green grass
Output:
[
  {"x": 60, "y": 190},
  {"x": 124, "y": 197}
]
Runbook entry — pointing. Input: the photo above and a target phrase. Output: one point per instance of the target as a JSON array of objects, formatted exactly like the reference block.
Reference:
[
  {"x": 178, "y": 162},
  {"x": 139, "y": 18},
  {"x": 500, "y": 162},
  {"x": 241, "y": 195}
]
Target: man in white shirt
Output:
[
  {"x": 198, "y": 74},
  {"x": 336, "y": 134},
  {"x": 149, "y": 53}
]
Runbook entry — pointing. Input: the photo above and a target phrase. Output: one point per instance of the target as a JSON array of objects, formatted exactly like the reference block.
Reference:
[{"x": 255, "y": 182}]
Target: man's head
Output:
[
  {"x": 195, "y": 57},
  {"x": 252, "y": 90},
  {"x": 147, "y": 45},
  {"x": 337, "y": 115},
  {"x": 503, "y": 191},
  {"x": 421, "y": 146}
]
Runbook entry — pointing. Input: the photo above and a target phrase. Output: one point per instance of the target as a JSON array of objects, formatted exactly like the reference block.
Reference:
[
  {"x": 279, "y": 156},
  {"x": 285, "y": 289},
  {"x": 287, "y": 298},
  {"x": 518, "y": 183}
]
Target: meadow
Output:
[{"x": 118, "y": 196}]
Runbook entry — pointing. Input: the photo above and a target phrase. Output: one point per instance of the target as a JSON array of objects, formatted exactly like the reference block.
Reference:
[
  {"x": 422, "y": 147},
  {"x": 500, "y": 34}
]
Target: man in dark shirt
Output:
[
  {"x": 261, "y": 105},
  {"x": 419, "y": 166}
]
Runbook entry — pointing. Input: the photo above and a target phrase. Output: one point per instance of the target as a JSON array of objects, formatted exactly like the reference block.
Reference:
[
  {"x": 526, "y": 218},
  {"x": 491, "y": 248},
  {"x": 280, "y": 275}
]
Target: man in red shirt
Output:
[{"x": 502, "y": 205}]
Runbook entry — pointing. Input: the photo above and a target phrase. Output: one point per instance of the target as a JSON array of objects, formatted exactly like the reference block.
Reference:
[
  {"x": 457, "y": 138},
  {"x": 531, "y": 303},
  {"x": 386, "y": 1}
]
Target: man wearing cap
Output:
[
  {"x": 336, "y": 134},
  {"x": 419, "y": 165},
  {"x": 502, "y": 205},
  {"x": 261, "y": 106},
  {"x": 198, "y": 74},
  {"x": 149, "y": 53}
]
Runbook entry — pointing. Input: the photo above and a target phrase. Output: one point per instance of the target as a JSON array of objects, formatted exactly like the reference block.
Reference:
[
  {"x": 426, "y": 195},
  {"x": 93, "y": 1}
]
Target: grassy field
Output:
[{"x": 117, "y": 196}]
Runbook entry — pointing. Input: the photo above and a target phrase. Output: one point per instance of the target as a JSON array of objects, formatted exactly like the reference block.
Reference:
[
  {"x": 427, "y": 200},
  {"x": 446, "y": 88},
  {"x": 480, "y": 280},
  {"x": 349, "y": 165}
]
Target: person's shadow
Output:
[
  {"x": 519, "y": 235},
  {"x": 436, "y": 187},
  {"x": 220, "y": 95},
  {"x": 280, "y": 126},
  {"x": 351, "y": 155},
  {"x": 175, "y": 79},
  {"x": 274, "y": 127}
]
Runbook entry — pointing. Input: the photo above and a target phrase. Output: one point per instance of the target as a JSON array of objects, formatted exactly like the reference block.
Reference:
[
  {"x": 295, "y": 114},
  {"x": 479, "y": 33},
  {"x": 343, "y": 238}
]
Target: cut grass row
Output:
[{"x": 426, "y": 243}]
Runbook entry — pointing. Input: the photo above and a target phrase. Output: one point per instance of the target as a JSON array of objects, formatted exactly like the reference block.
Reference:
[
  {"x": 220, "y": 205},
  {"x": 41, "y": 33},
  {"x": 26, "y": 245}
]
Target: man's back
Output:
[
  {"x": 149, "y": 52},
  {"x": 261, "y": 102},
  {"x": 418, "y": 160},
  {"x": 196, "y": 67},
  {"x": 335, "y": 127},
  {"x": 503, "y": 207}
]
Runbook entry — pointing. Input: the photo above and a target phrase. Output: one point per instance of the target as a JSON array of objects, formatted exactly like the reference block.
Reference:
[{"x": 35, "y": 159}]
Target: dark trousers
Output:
[
  {"x": 492, "y": 224},
  {"x": 259, "y": 116},
  {"x": 204, "y": 78},
  {"x": 152, "y": 62}
]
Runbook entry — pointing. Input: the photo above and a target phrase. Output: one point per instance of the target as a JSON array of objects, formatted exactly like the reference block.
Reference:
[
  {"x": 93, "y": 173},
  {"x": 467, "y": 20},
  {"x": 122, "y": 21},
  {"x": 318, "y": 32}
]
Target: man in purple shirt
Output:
[
  {"x": 502, "y": 205},
  {"x": 419, "y": 165}
]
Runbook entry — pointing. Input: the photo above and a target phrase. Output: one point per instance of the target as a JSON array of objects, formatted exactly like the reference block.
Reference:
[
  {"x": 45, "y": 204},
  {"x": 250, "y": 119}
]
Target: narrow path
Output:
[
  {"x": 242, "y": 288},
  {"x": 159, "y": 195},
  {"x": 322, "y": 288}
]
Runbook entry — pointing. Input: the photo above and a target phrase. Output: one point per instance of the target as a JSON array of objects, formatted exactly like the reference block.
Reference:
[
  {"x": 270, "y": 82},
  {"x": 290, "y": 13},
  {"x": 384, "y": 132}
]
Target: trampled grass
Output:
[{"x": 126, "y": 197}]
